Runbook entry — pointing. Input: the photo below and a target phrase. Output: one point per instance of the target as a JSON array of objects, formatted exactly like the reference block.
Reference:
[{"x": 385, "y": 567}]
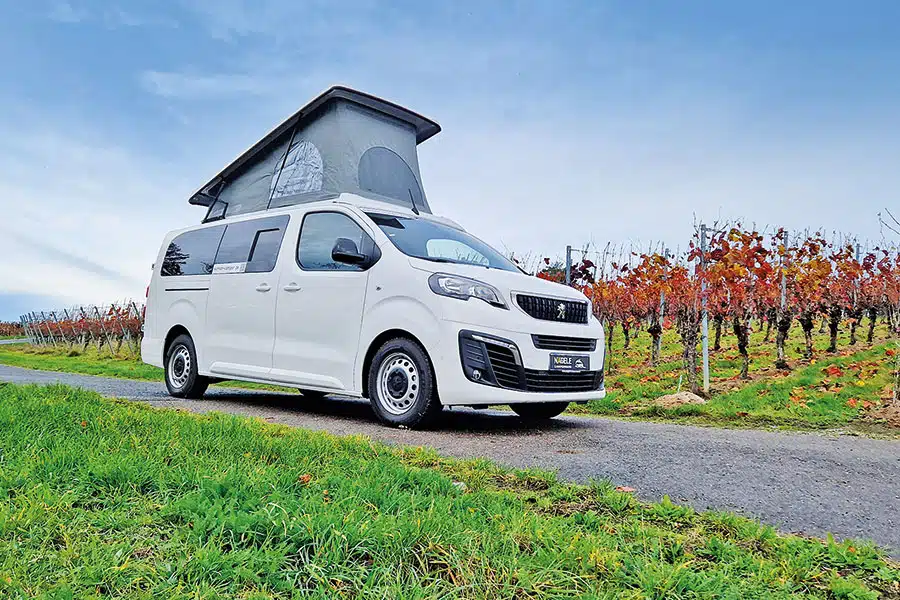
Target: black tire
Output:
[
  {"x": 539, "y": 411},
  {"x": 401, "y": 385},
  {"x": 313, "y": 394},
  {"x": 182, "y": 378}
]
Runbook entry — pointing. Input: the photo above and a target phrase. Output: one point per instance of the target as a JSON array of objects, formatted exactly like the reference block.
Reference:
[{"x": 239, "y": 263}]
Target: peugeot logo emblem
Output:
[{"x": 560, "y": 311}]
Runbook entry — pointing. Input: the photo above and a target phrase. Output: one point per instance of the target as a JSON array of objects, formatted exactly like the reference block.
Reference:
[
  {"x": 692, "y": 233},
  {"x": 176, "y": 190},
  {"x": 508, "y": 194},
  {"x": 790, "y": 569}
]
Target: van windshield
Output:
[{"x": 421, "y": 238}]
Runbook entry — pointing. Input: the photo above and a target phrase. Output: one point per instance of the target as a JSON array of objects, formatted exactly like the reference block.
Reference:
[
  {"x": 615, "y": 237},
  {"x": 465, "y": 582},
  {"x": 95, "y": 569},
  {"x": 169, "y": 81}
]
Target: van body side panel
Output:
[
  {"x": 183, "y": 302},
  {"x": 319, "y": 310},
  {"x": 240, "y": 323},
  {"x": 318, "y": 327},
  {"x": 389, "y": 306}
]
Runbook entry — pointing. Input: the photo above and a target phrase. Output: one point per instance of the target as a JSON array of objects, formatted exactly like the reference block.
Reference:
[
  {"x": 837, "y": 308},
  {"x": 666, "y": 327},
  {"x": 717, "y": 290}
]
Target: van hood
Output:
[{"x": 506, "y": 282}]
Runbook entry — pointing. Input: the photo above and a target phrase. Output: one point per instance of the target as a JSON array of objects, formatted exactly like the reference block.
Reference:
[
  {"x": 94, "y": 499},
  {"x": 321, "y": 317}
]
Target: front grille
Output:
[
  {"x": 558, "y": 342},
  {"x": 494, "y": 361},
  {"x": 552, "y": 381},
  {"x": 503, "y": 362},
  {"x": 551, "y": 309}
]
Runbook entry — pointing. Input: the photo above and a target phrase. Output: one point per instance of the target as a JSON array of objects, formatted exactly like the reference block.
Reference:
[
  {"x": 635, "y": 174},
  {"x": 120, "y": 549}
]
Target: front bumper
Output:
[{"x": 527, "y": 380}]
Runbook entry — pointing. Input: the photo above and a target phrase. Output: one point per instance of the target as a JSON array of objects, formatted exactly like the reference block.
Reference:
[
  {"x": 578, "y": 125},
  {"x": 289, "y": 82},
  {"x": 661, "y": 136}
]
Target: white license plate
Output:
[{"x": 570, "y": 362}]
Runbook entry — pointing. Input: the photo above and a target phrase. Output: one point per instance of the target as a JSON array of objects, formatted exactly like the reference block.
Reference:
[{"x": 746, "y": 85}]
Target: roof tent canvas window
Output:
[
  {"x": 303, "y": 171},
  {"x": 383, "y": 172}
]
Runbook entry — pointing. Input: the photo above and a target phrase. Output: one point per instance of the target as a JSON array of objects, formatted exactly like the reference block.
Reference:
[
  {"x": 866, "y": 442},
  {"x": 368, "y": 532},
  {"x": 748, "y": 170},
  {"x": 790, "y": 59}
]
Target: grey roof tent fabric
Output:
[{"x": 343, "y": 141}]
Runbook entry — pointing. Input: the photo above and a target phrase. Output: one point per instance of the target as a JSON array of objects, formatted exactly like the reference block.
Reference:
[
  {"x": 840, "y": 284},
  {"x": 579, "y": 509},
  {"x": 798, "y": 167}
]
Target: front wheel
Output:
[
  {"x": 539, "y": 411},
  {"x": 401, "y": 384},
  {"x": 182, "y": 378}
]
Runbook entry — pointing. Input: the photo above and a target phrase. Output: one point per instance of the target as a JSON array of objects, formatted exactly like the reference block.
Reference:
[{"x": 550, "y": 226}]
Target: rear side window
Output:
[
  {"x": 252, "y": 246},
  {"x": 192, "y": 253},
  {"x": 317, "y": 237}
]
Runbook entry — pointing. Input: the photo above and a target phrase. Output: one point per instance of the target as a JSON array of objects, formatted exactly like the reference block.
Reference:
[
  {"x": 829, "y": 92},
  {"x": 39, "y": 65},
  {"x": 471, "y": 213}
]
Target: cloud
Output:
[
  {"x": 112, "y": 17},
  {"x": 83, "y": 217},
  {"x": 194, "y": 86},
  {"x": 46, "y": 251},
  {"x": 64, "y": 12}
]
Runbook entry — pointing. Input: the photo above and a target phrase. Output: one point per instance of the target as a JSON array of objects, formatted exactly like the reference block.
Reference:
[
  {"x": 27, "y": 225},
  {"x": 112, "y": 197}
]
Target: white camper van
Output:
[{"x": 341, "y": 281}]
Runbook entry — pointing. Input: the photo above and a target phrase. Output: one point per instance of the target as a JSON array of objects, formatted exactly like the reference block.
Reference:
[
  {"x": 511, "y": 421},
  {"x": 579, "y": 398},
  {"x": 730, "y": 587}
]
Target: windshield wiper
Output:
[{"x": 439, "y": 259}]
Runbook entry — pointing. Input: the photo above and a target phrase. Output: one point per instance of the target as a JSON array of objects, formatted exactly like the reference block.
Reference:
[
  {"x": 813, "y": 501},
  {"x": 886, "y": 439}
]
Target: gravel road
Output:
[{"x": 804, "y": 483}]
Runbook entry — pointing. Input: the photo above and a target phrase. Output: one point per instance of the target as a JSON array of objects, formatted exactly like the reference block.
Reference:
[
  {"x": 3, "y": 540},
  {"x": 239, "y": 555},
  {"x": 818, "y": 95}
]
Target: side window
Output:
[
  {"x": 192, "y": 253},
  {"x": 317, "y": 237},
  {"x": 251, "y": 246}
]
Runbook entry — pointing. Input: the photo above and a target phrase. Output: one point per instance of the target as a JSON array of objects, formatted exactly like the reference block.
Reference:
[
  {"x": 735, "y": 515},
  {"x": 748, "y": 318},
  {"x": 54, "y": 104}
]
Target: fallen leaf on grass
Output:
[
  {"x": 852, "y": 402},
  {"x": 305, "y": 478},
  {"x": 625, "y": 489},
  {"x": 833, "y": 370}
]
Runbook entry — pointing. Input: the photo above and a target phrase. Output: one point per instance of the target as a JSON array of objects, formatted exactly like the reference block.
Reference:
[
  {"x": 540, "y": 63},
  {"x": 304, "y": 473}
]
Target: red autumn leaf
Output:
[
  {"x": 852, "y": 402},
  {"x": 833, "y": 370},
  {"x": 305, "y": 478}
]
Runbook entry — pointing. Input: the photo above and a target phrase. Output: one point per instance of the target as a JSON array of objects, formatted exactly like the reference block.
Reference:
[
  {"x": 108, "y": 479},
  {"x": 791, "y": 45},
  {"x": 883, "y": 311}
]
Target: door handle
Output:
[
  {"x": 292, "y": 287},
  {"x": 263, "y": 287}
]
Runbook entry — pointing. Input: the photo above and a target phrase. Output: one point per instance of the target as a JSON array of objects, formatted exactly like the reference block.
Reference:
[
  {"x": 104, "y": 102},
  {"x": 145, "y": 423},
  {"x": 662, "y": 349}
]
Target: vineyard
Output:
[
  {"x": 800, "y": 329},
  {"x": 11, "y": 330},
  {"x": 743, "y": 281},
  {"x": 116, "y": 328}
]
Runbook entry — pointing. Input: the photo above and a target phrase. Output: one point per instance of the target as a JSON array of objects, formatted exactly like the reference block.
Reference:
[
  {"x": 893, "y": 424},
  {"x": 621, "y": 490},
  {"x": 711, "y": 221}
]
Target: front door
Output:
[
  {"x": 240, "y": 313},
  {"x": 320, "y": 306}
]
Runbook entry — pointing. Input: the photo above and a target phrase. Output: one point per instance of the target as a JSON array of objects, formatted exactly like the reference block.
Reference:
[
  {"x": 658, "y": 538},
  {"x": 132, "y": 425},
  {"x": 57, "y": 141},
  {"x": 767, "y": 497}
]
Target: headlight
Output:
[{"x": 464, "y": 288}]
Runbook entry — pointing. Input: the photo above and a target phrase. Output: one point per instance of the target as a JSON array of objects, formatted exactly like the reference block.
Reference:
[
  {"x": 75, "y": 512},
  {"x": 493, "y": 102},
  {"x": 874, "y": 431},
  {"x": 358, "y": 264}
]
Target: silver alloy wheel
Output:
[
  {"x": 179, "y": 367},
  {"x": 398, "y": 383}
]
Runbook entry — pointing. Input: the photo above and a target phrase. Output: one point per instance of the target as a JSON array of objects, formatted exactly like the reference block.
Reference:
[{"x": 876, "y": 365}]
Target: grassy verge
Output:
[
  {"x": 110, "y": 498},
  {"x": 833, "y": 391},
  {"x": 93, "y": 362}
]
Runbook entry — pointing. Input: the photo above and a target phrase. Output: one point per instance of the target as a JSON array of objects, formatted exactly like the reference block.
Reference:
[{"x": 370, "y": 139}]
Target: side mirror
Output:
[{"x": 345, "y": 251}]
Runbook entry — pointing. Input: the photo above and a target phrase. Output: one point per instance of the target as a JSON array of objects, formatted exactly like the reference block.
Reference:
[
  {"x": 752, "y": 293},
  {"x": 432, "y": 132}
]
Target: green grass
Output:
[
  {"x": 107, "y": 498},
  {"x": 807, "y": 397},
  {"x": 94, "y": 362}
]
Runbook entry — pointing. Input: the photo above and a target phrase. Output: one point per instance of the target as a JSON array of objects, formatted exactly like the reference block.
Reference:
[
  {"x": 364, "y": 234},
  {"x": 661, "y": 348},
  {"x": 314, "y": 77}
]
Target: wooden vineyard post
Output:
[
  {"x": 62, "y": 334},
  {"x": 39, "y": 336},
  {"x": 71, "y": 327},
  {"x": 49, "y": 331},
  {"x": 105, "y": 336},
  {"x": 89, "y": 337},
  {"x": 704, "y": 331}
]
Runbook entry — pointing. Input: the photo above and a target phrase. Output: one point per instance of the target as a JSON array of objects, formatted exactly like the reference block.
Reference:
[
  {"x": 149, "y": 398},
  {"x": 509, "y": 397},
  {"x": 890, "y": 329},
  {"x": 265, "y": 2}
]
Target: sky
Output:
[{"x": 564, "y": 122}]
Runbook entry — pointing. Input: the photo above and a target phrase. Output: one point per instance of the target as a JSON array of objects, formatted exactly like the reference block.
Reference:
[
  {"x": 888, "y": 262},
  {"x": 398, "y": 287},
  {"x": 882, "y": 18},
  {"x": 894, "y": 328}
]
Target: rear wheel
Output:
[
  {"x": 539, "y": 411},
  {"x": 401, "y": 384},
  {"x": 182, "y": 377}
]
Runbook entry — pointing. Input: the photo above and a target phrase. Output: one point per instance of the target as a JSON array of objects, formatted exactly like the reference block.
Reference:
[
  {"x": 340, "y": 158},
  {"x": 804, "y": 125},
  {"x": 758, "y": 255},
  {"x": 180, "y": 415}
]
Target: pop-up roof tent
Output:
[{"x": 343, "y": 141}]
